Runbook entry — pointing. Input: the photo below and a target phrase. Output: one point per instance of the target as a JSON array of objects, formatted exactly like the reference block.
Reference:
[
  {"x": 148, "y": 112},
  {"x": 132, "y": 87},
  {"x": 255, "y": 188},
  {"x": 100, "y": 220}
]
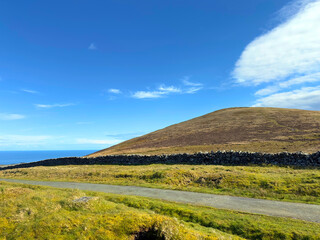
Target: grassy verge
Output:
[
  {"x": 277, "y": 183},
  {"x": 249, "y": 226},
  {"x": 28, "y": 212}
]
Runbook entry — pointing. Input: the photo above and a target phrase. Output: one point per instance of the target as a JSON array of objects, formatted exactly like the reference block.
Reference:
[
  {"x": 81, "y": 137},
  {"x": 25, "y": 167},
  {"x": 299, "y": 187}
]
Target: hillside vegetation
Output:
[{"x": 268, "y": 130}]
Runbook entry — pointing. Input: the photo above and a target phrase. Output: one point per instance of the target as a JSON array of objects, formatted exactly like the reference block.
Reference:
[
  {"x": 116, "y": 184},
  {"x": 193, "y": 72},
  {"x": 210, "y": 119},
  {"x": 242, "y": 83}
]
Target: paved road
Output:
[{"x": 308, "y": 212}]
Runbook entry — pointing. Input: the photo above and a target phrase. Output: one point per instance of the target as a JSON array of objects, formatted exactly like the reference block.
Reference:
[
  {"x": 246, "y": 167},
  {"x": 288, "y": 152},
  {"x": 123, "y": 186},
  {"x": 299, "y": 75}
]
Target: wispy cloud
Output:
[
  {"x": 54, "y": 105},
  {"x": 192, "y": 90},
  {"x": 171, "y": 89},
  {"x": 191, "y": 87},
  {"x": 114, "y": 91},
  {"x": 11, "y": 116},
  {"x": 287, "y": 58},
  {"x": 310, "y": 78},
  {"x": 92, "y": 46},
  {"x": 22, "y": 140},
  {"x": 305, "y": 98},
  {"x": 97, "y": 141},
  {"x": 160, "y": 92},
  {"x": 267, "y": 90},
  {"x": 163, "y": 91},
  {"x": 29, "y": 91},
  {"x": 186, "y": 81},
  {"x": 147, "y": 94}
]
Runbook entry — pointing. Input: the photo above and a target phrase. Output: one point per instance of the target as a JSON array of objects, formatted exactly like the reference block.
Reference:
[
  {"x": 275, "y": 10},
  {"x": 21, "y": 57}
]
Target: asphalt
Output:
[{"x": 307, "y": 212}]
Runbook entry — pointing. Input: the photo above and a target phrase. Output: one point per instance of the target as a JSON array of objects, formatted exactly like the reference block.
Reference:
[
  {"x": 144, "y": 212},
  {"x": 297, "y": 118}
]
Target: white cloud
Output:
[
  {"x": 163, "y": 91},
  {"x": 92, "y": 46},
  {"x": 285, "y": 58},
  {"x": 22, "y": 140},
  {"x": 292, "y": 8},
  {"x": 147, "y": 94},
  {"x": 305, "y": 98},
  {"x": 311, "y": 78},
  {"x": 114, "y": 90},
  {"x": 97, "y": 141},
  {"x": 160, "y": 92},
  {"x": 29, "y": 91},
  {"x": 11, "y": 116},
  {"x": 289, "y": 50},
  {"x": 54, "y": 105},
  {"x": 171, "y": 89},
  {"x": 267, "y": 90}
]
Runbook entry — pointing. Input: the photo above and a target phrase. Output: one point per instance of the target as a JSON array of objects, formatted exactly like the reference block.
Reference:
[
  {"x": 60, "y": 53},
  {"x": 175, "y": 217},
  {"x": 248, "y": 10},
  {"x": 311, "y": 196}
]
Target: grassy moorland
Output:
[
  {"x": 28, "y": 212},
  {"x": 269, "y": 182},
  {"x": 268, "y": 130},
  {"x": 302, "y": 144}
]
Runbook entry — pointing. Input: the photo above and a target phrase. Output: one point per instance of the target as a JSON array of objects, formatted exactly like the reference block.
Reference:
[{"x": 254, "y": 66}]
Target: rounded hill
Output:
[{"x": 242, "y": 129}]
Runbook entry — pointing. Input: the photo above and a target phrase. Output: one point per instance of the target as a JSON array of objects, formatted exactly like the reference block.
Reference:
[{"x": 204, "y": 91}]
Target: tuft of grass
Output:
[{"x": 267, "y": 182}]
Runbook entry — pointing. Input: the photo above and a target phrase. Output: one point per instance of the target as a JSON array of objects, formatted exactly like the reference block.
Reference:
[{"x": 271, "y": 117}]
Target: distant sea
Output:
[{"x": 14, "y": 157}]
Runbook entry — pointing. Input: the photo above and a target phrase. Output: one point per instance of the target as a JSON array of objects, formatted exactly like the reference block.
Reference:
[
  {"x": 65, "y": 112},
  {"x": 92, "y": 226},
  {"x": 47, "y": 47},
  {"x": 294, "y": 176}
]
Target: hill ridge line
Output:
[{"x": 255, "y": 129}]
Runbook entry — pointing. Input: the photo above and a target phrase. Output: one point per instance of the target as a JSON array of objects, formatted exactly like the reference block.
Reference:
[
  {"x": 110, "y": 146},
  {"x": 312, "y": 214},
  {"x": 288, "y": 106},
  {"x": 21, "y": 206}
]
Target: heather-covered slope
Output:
[{"x": 245, "y": 129}]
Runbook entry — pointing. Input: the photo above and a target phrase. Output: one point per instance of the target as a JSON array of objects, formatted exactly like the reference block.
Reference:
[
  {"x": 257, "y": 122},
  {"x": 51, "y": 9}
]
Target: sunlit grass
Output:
[
  {"x": 280, "y": 183},
  {"x": 28, "y": 212}
]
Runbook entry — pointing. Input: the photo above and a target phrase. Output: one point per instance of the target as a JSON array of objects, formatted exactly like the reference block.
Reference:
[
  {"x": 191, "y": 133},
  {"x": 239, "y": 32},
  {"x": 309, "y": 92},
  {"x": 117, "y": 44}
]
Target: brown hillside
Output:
[{"x": 246, "y": 129}]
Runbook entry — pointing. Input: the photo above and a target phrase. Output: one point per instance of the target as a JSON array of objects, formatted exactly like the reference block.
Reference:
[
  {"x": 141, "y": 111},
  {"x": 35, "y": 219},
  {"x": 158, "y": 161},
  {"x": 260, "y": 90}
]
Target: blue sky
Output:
[{"x": 89, "y": 74}]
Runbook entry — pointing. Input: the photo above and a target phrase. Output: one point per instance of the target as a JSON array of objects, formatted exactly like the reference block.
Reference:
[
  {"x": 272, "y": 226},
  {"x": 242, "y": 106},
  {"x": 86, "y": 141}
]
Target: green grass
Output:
[
  {"x": 249, "y": 226},
  {"x": 268, "y": 182},
  {"x": 28, "y": 212}
]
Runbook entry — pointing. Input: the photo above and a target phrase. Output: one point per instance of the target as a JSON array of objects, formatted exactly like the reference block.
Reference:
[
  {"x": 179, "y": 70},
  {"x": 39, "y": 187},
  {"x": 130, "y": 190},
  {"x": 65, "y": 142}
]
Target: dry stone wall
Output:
[{"x": 213, "y": 158}]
